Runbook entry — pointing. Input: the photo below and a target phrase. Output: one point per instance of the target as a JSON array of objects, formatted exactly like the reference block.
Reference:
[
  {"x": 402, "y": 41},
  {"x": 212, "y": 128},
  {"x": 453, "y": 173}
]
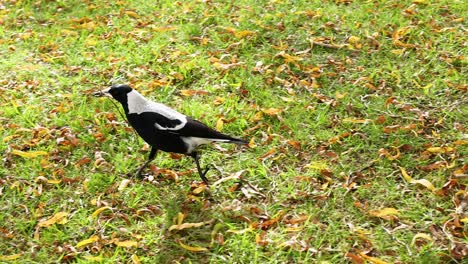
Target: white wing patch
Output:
[
  {"x": 138, "y": 104},
  {"x": 193, "y": 142}
]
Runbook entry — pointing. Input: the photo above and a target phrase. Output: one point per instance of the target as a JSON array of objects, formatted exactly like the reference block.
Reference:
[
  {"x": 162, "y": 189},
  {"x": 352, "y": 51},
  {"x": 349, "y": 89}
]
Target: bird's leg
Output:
[
  {"x": 150, "y": 158},
  {"x": 196, "y": 157}
]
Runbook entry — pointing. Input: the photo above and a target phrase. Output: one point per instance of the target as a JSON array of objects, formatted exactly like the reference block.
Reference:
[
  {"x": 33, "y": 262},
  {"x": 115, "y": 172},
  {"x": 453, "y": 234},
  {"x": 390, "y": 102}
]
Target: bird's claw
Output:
[{"x": 202, "y": 175}]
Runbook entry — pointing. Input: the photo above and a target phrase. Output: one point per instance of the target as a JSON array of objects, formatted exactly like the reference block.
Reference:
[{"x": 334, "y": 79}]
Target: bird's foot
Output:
[{"x": 202, "y": 175}]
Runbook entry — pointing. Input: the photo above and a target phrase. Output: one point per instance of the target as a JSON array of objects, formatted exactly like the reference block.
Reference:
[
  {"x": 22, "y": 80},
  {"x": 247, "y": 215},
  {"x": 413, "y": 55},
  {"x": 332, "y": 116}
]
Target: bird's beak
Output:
[{"x": 103, "y": 93}]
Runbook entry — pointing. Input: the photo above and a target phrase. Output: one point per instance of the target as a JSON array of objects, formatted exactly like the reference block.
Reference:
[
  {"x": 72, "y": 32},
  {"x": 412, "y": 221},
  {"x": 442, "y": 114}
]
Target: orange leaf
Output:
[{"x": 193, "y": 92}]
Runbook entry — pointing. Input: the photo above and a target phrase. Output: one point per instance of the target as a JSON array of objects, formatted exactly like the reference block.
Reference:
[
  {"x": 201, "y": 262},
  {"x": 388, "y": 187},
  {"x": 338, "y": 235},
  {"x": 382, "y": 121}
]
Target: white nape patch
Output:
[
  {"x": 193, "y": 142},
  {"x": 138, "y": 104}
]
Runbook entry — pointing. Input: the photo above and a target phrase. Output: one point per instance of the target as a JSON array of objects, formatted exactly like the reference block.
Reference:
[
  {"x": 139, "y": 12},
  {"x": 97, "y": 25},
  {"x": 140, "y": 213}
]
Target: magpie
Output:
[{"x": 164, "y": 128}]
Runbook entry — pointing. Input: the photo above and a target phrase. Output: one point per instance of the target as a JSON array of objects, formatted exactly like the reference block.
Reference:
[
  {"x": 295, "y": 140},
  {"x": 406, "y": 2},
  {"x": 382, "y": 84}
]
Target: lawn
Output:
[{"x": 355, "y": 113}]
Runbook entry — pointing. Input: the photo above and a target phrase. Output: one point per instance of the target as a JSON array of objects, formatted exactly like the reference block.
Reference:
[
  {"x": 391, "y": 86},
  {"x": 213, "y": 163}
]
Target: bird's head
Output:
[{"x": 118, "y": 92}]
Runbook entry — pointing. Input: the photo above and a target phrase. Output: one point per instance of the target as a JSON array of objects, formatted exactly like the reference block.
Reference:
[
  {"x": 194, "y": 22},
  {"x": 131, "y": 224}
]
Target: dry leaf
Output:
[
  {"x": 189, "y": 225},
  {"x": 193, "y": 92},
  {"x": 87, "y": 241},
  {"x": 58, "y": 218},
  {"x": 10, "y": 257},
  {"x": 125, "y": 243},
  {"x": 423, "y": 182},
  {"x": 372, "y": 260},
  {"x": 386, "y": 213},
  {"x": 272, "y": 111},
  {"x": 123, "y": 184},
  {"x": 28, "y": 154},
  {"x": 135, "y": 259},
  {"x": 192, "y": 249},
  {"x": 420, "y": 235},
  {"x": 220, "y": 124},
  {"x": 440, "y": 149},
  {"x": 100, "y": 210}
]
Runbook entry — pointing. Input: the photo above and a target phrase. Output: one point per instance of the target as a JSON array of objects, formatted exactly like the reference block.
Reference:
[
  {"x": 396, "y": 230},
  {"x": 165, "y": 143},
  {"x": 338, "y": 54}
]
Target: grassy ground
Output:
[{"x": 355, "y": 112}]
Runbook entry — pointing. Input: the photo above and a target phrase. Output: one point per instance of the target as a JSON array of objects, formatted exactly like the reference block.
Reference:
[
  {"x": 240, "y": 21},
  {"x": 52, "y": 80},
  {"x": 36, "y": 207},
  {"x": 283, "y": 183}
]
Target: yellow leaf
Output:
[
  {"x": 440, "y": 149},
  {"x": 244, "y": 33},
  {"x": 87, "y": 241},
  {"x": 58, "y": 218},
  {"x": 54, "y": 181},
  {"x": 99, "y": 211},
  {"x": 372, "y": 260},
  {"x": 423, "y": 182},
  {"x": 132, "y": 14},
  {"x": 272, "y": 111},
  {"x": 29, "y": 154},
  {"x": 126, "y": 243},
  {"x": 317, "y": 165},
  {"x": 188, "y": 225},
  {"x": 384, "y": 212},
  {"x": 464, "y": 220},
  {"x": 180, "y": 218},
  {"x": 199, "y": 189},
  {"x": 220, "y": 124},
  {"x": 10, "y": 257},
  {"x": 8, "y": 138},
  {"x": 192, "y": 249},
  {"x": 420, "y": 235},
  {"x": 135, "y": 259},
  {"x": 398, "y": 51}
]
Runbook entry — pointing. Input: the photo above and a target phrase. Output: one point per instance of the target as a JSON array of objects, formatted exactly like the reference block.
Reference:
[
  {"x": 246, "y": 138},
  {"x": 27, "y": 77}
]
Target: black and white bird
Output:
[{"x": 164, "y": 128}]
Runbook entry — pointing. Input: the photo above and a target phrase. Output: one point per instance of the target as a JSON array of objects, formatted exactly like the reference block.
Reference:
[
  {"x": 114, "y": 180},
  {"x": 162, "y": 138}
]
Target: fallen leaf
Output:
[
  {"x": 87, "y": 241},
  {"x": 220, "y": 124},
  {"x": 135, "y": 259},
  {"x": 423, "y": 182},
  {"x": 372, "y": 260},
  {"x": 420, "y": 235},
  {"x": 189, "y": 225},
  {"x": 272, "y": 111},
  {"x": 123, "y": 184},
  {"x": 10, "y": 257},
  {"x": 100, "y": 210},
  {"x": 28, "y": 154},
  {"x": 440, "y": 149},
  {"x": 191, "y": 248},
  {"x": 244, "y": 33},
  {"x": 58, "y": 218},
  {"x": 385, "y": 213},
  {"x": 193, "y": 92},
  {"x": 125, "y": 243}
]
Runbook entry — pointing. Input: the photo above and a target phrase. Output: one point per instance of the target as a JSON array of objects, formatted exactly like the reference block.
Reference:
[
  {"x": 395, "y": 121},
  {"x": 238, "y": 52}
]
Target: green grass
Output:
[{"x": 335, "y": 97}]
